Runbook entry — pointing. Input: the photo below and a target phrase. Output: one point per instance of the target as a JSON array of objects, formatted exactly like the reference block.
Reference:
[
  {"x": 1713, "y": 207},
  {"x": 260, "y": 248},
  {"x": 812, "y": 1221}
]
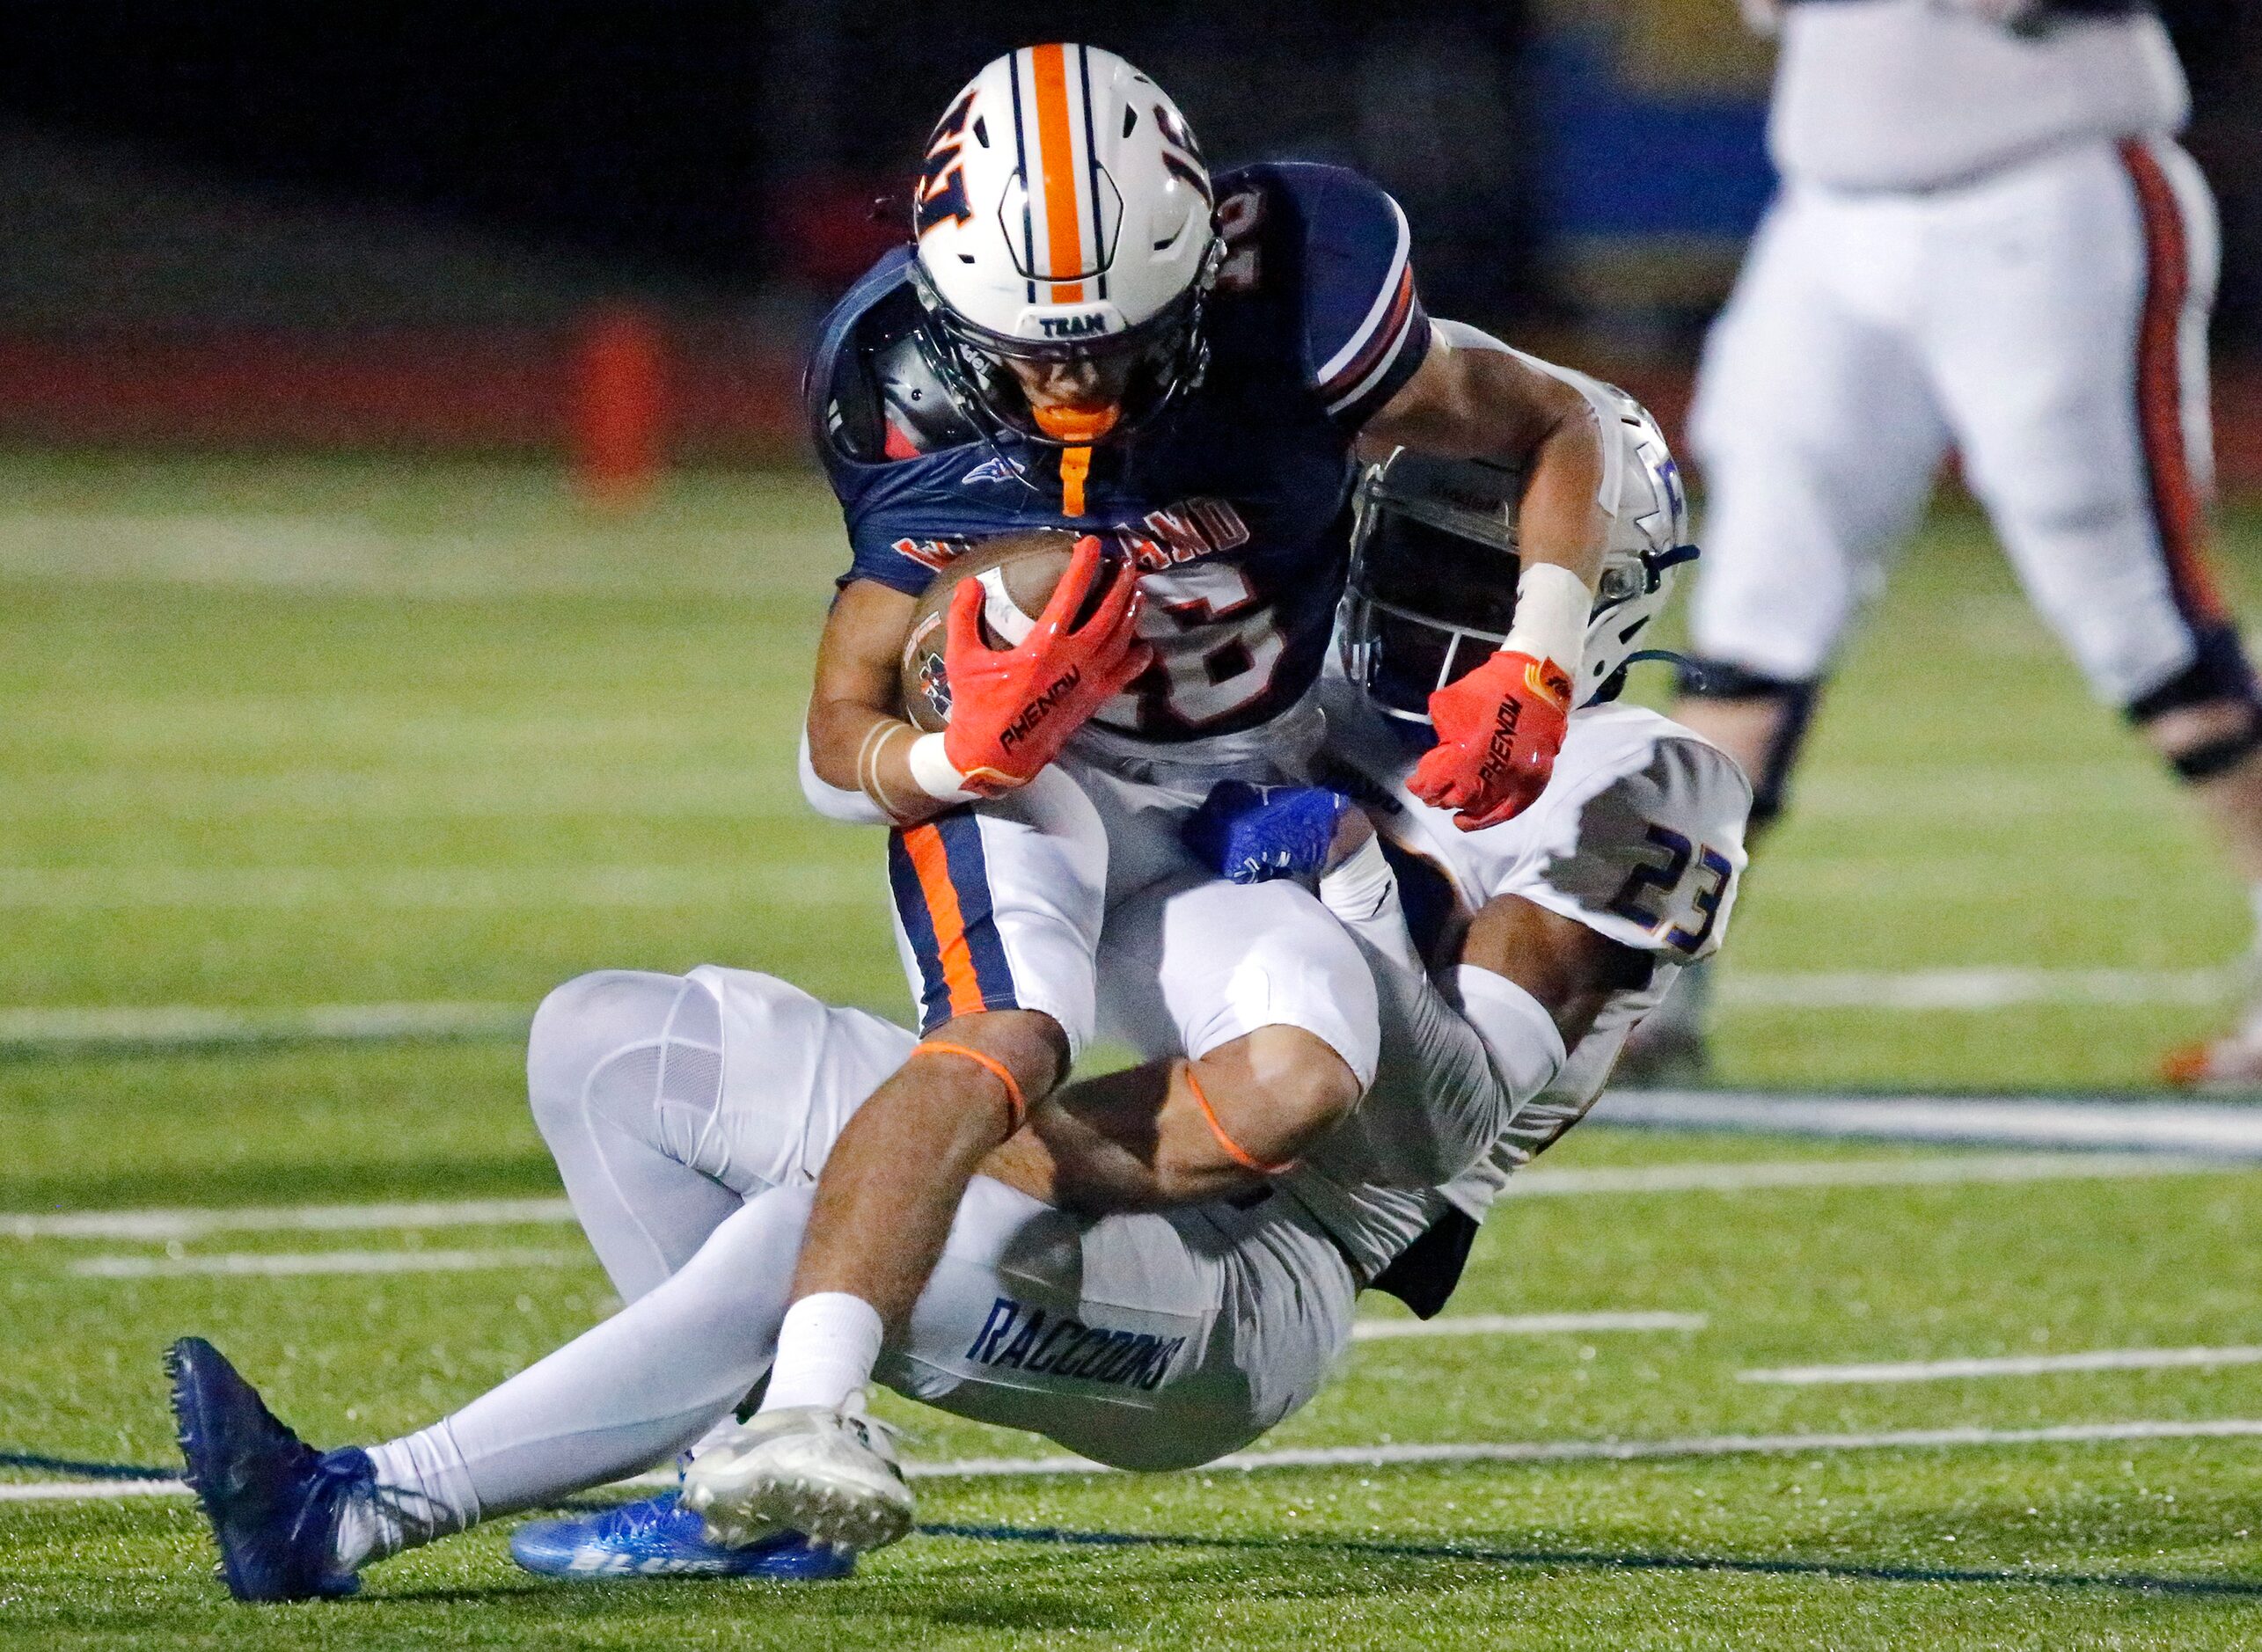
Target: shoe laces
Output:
[
  {"x": 851, "y": 1412},
  {"x": 648, "y": 1515}
]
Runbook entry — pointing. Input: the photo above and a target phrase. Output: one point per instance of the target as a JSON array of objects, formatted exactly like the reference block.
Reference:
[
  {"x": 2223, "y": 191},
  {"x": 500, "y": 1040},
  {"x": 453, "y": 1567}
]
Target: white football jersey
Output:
[{"x": 1639, "y": 836}]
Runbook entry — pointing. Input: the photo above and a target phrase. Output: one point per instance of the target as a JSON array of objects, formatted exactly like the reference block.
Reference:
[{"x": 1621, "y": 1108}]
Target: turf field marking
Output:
[
  {"x": 1543, "y": 1182},
  {"x": 87, "y": 1490},
  {"x": 310, "y": 1218},
  {"x": 1395, "y": 1456},
  {"x": 162, "y": 1026},
  {"x": 40, "y": 1031},
  {"x": 2009, "y": 1365},
  {"x": 1525, "y": 1325},
  {"x": 1946, "y": 1170},
  {"x": 244, "y": 1263},
  {"x": 1931, "y": 991},
  {"x": 468, "y": 788},
  {"x": 2226, "y": 1130},
  {"x": 1406, "y": 1455},
  {"x": 1835, "y": 1568},
  {"x": 236, "y": 889}
]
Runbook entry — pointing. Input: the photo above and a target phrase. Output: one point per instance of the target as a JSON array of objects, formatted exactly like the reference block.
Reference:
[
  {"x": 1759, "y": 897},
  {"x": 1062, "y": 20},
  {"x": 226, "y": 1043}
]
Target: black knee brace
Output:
[
  {"x": 1719, "y": 680},
  {"x": 2219, "y": 674}
]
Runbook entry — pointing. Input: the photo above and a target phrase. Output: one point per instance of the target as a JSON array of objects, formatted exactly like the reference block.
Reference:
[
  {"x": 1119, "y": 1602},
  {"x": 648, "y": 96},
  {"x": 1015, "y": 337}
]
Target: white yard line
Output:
[
  {"x": 2213, "y": 1129},
  {"x": 159, "y": 1225},
  {"x": 86, "y": 1490},
  {"x": 1941, "y": 1170},
  {"x": 1404, "y": 1455},
  {"x": 346, "y": 554},
  {"x": 2008, "y": 1366},
  {"x": 1923, "y": 990},
  {"x": 1624, "y": 1450},
  {"x": 306, "y": 1218},
  {"x": 1525, "y": 1325},
  {"x": 298, "y": 887},
  {"x": 161, "y": 1025},
  {"x": 278, "y": 1265},
  {"x": 1976, "y": 990}
]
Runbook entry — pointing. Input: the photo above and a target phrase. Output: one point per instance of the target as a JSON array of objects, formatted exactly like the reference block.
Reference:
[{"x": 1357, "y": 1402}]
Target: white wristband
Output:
[
  {"x": 936, "y": 775},
  {"x": 1552, "y": 607}
]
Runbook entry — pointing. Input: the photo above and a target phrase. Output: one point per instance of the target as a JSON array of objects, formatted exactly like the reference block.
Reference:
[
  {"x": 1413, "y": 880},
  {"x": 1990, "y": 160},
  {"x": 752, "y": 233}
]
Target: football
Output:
[{"x": 1018, "y": 571}]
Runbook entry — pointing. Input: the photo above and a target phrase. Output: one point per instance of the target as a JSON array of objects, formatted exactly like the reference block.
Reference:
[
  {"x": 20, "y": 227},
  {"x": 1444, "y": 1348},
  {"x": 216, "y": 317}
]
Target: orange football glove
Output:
[
  {"x": 1012, "y": 709},
  {"x": 1498, "y": 730}
]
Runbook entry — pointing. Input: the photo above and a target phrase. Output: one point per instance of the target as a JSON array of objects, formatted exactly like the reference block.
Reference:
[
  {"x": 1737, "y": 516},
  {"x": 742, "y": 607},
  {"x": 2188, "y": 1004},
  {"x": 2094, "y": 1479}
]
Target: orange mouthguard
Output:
[{"x": 1076, "y": 424}]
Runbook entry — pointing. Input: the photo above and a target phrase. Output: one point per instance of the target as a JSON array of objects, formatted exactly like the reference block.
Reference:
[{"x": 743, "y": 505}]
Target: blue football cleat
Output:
[
  {"x": 1251, "y": 834},
  {"x": 658, "y": 1539},
  {"x": 272, "y": 1500}
]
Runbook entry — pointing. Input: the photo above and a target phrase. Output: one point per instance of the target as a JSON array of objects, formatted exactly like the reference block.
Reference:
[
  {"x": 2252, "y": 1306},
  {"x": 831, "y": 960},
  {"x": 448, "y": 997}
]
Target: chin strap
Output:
[
  {"x": 1680, "y": 661},
  {"x": 1615, "y": 685}
]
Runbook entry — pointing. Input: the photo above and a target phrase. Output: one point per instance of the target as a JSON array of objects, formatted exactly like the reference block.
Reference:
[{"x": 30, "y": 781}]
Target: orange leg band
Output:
[
  {"x": 1234, "y": 1151},
  {"x": 1016, "y": 1107}
]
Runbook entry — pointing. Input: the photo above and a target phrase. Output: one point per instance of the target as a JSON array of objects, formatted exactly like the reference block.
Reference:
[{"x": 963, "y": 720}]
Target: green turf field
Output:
[{"x": 296, "y": 735}]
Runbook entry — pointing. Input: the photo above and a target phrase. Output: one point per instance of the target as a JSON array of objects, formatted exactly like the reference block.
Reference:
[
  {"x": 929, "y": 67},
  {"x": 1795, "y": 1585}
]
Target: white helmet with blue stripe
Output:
[
  {"x": 1432, "y": 584},
  {"x": 1063, "y": 219}
]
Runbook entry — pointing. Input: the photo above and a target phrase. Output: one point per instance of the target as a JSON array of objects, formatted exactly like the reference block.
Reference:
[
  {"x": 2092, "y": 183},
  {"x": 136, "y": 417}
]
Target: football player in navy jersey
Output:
[
  {"x": 1088, "y": 333},
  {"x": 1147, "y": 1309}
]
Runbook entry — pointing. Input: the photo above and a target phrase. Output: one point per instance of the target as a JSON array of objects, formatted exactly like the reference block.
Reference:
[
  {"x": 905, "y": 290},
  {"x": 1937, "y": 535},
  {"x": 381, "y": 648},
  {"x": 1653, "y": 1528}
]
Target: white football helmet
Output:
[
  {"x": 1063, "y": 216},
  {"x": 1433, "y": 585}
]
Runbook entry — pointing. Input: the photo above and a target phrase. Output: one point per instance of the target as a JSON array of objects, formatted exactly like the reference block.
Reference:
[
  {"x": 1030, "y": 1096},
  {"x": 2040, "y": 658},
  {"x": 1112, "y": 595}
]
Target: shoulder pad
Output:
[
  {"x": 1646, "y": 846},
  {"x": 1332, "y": 246},
  {"x": 870, "y": 395}
]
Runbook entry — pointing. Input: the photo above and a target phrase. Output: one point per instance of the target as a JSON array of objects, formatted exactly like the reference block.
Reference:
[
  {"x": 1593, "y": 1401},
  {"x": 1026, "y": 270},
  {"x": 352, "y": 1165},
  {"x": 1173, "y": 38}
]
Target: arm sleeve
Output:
[
  {"x": 1363, "y": 330},
  {"x": 1646, "y": 850},
  {"x": 1438, "y": 1103}
]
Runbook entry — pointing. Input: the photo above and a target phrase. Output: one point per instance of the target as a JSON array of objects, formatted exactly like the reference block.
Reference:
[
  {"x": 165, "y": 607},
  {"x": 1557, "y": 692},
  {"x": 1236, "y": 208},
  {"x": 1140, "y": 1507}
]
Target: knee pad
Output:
[
  {"x": 1720, "y": 680},
  {"x": 2219, "y": 674},
  {"x": 622, "y": 1041}
]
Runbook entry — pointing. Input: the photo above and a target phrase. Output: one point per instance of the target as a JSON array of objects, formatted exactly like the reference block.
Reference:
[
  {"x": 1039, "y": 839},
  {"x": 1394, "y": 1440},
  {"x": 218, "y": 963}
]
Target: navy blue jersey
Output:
[{"x": 1234, "y": 501}]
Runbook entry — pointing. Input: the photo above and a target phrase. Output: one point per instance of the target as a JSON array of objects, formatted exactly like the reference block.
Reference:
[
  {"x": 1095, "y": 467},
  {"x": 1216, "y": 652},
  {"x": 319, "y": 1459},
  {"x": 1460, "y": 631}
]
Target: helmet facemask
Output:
[
  {"x": 1431, "y": 590},
  {"x": 1427, "y": 602},
  {"x": 1138, "y": 373}
]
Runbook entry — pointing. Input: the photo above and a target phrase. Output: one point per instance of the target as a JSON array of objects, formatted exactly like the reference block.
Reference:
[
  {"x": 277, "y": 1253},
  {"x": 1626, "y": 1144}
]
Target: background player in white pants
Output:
[{"x": 1986, "y": 239}]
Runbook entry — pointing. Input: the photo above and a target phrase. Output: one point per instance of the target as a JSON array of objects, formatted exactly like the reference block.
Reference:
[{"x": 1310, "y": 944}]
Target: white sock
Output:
[
  {"x": 826, "y": 1349},
  {"x": 423, "y": 1491}
]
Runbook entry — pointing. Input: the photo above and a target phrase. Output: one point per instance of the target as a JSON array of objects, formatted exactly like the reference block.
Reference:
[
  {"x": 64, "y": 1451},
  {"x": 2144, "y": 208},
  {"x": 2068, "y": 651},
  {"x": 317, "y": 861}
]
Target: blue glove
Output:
[{"x": 1250, "y": 834}]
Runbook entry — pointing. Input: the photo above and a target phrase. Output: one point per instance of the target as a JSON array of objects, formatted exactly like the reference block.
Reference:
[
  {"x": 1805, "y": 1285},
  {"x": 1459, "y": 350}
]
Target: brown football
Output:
[{"x": 1019, "y": 571}]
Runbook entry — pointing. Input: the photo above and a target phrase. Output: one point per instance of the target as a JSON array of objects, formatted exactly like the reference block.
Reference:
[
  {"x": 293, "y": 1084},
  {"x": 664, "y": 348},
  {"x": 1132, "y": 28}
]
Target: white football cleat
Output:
[{"x": 829, "y": 1474}]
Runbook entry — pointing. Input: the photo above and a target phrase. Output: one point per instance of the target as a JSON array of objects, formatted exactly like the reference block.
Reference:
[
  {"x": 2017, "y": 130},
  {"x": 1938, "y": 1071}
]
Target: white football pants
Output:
[
  {"x": 1003, "y": 904},
  {"x": 690, "y": 1116},
  {"x": 2050, "y": 321}
]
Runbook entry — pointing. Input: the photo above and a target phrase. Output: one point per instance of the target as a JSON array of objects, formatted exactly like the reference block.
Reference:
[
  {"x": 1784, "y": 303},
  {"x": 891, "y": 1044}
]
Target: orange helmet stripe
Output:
[{"x": 1056, "y": 148}]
